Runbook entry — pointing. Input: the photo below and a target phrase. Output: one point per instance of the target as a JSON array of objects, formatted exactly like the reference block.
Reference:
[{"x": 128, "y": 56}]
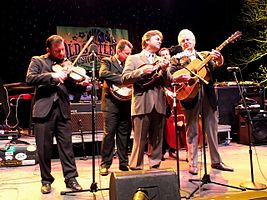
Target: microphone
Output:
[
  {"x": 175, "y": 49},
  {"x": 92, "y": 49},
  {"x": 232, "y": 69}
]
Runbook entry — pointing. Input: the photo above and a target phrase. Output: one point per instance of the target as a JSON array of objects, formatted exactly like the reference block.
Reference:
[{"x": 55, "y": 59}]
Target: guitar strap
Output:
[{"x": 200, "y": 56}]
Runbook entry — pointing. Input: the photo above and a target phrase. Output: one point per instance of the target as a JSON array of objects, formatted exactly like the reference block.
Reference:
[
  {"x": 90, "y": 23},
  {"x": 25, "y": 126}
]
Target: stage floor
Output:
[{"x": 23, "y": 182}]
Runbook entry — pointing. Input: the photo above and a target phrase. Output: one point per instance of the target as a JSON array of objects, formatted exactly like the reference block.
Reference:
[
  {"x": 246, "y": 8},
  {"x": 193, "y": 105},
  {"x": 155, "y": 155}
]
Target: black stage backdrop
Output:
[{"x": 26, "y": 24}]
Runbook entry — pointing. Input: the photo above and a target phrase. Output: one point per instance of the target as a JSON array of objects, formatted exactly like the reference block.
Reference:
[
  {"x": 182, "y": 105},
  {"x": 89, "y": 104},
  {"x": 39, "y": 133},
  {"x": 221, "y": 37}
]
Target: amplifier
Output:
[
  {"x": 8, "y": 135},
  {"x": 230, "y": 95},
  {"x": 81, "y": 118},
  {"x": 257, "y": 134},
  {"x": 83, "y": 121},
  {"x": 84, "y": 107},
  {"x": 13, "y": 155}
]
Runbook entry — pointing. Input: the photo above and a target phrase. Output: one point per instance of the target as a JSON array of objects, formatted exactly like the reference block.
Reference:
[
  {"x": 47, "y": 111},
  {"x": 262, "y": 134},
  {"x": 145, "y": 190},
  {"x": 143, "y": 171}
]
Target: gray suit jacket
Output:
[{"x": 144, "y": 100}]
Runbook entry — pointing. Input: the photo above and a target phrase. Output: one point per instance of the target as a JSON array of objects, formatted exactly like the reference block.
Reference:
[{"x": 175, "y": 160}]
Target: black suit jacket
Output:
[
  {"x": 110, "y": 72},
  {"x": 47, "y": 91}
]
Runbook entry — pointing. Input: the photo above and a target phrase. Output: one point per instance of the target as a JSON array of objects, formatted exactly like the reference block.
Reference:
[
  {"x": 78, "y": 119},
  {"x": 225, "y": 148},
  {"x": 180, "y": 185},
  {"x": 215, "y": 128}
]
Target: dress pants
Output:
[
  {"x": 210, "y": 123},
  {"x": 45, "y": 129},
  {"x": 147, "y": 128},
  {"x": 119, "y": 125}
]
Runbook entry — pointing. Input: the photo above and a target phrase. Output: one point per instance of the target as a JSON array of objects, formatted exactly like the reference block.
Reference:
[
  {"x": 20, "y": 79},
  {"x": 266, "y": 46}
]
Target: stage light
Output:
[{"x": 141, "y": 194}]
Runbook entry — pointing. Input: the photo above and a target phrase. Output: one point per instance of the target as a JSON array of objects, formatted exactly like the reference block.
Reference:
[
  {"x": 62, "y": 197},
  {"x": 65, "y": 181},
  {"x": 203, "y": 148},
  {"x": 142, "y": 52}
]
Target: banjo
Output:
[{"x": 121, "y": 92}]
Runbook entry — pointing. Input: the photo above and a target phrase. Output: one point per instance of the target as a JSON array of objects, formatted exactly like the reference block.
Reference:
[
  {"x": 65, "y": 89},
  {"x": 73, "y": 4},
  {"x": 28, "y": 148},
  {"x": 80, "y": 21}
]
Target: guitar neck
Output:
[{"x": 209, "y": 57}]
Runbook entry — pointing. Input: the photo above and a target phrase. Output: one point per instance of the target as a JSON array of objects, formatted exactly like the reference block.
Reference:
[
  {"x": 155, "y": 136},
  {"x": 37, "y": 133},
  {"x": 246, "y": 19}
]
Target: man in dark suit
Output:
[
  {"x": 116, "y": 108},
  {"x": 51, "y": 112},
  {"x": 148, "y": 74},
  {"x": 205, "y": 100}
]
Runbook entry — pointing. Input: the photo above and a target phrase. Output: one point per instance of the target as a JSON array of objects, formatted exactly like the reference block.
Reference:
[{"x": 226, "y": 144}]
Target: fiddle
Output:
[{"x": 76, "y": 73}]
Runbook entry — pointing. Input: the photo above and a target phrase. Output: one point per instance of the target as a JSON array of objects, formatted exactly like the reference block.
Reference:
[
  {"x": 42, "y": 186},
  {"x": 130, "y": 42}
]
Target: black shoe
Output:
[
  {"x": 134, "y": 168},
  {"x": 103, "y": 171},
  {"x": 222, "y": 166},
  {"x": 73, "y": 185},
  {"x": 46, "y": 188},
  {"x": 123, "y": 168},
  {"x": 155, "y": 166}
]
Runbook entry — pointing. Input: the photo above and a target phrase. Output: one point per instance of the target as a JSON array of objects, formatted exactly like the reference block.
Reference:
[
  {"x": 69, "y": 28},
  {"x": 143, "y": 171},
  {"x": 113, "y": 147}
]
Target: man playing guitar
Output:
[{"x": 205, "y": 100}]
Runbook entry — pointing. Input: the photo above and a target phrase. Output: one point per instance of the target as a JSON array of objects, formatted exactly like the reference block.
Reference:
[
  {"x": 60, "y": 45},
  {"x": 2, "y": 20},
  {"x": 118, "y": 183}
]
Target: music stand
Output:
[
  {"x": 93, "y": 187},
  {"x": 250, "y": 185},
  {"x": 206, "y": 177}
]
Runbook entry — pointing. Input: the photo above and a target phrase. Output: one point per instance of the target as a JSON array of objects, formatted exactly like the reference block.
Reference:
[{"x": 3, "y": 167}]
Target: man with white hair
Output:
[{"x": 205, "y": 100}]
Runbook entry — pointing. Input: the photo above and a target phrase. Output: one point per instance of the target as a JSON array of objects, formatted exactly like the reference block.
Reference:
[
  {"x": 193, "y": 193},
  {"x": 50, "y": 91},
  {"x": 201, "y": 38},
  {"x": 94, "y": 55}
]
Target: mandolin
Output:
[
  {"x": 150, "y": 79},
  {"x": 187, "y": 91}
]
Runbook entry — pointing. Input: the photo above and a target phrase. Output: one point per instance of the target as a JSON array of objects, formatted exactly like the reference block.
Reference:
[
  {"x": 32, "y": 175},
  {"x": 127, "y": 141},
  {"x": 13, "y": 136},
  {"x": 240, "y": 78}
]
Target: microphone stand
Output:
[
  {"x": 250, "y": 185},
  {"x": 206, "y": 177},
  {"x": 93, "y": 187},
  {"x": 177, "y": 133}
]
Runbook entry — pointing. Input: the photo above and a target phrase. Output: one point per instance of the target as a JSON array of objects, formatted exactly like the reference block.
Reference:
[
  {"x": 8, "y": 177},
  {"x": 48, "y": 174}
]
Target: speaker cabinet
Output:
[
  {"x": 157, "y": 184},
  {"x": 259, "y": 133},
  {"x": 230, "y": 96},
  {"x": 83, "y": 121}
]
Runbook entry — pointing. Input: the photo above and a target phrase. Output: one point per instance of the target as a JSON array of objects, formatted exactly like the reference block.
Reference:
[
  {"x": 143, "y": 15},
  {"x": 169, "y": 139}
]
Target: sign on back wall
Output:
[{"x": 76, "y": 37}]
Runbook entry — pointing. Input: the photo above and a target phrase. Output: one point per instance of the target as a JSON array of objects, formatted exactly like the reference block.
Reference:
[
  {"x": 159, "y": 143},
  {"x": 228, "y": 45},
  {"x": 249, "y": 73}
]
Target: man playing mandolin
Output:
[
  {"x": 148, "y": 76},
  {"x": 195, "y": 77}
]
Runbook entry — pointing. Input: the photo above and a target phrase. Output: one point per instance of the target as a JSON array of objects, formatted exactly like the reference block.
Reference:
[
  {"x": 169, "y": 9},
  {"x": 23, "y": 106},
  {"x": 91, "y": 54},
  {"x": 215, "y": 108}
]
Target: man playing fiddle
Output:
[{"x": 51, "y": 112}]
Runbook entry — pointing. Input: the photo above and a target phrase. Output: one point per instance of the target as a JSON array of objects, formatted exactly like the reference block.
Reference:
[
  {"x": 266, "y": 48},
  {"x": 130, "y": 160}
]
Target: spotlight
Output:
[{"x": 141, "y": 194}]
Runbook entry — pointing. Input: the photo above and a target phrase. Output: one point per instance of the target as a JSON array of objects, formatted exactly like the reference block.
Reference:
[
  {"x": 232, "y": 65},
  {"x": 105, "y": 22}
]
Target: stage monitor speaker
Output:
[
  {"x": 84, "y": 120},
  {"x": 153, "y": 184},
  {"x": 258, "y": 135}
]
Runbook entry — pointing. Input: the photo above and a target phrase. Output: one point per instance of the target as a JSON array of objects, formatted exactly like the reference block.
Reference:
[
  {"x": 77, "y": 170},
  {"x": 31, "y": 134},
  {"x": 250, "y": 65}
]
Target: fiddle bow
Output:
[{"x": 76, "y": 73}]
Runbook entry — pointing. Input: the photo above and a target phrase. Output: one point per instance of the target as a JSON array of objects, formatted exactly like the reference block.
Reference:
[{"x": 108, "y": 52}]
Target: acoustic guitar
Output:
[{"x": 187, "y": 91}]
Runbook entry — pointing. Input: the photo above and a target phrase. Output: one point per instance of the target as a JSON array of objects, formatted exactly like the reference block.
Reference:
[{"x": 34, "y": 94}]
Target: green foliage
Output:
[{"x": 251, "y": 53}]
